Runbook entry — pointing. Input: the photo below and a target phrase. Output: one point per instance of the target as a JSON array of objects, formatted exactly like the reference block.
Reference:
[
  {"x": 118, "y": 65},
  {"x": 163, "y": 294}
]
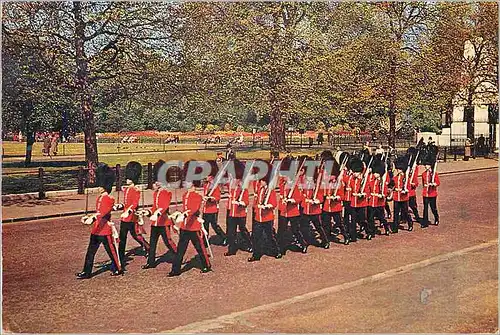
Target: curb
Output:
[{"x": 224, "y": 196}]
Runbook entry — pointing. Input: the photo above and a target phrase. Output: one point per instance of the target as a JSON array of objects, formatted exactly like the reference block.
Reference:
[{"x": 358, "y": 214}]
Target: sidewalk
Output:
[{"x": 19, "y": 210}]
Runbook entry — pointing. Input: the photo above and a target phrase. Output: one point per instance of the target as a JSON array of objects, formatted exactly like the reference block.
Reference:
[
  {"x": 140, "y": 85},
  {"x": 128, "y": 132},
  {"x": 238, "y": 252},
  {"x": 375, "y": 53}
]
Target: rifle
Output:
[
  {"x": 407, "y": 174},
  {"x": 295, "y": 180},
  {"x": 272, "y": 182},
  {"x": 414, "y": 166},
  {"x": 365, "y": 177},
  {"x": 245, "y": 183},
  {"x": 341, "y": 175}
]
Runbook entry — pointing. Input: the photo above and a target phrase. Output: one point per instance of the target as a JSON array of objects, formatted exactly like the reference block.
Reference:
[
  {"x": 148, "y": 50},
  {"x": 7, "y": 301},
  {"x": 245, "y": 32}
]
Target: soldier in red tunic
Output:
[
  {"x": 237, "y": 211},
  {"x": 266, "y": 200},
  {"x": 378, "y": 192},
  {"x": 332, "y": 206},
  {"x": 129, "y": 219},
  {"x": 290, "y": 199},
  {"x": 211, "y": 199},
  {"x": 400, "y": 194},
  {"x": 103, "y": 230},
  {"x": 430, "y": 183},
  {"x": 311, "y": 206},
  {"x": 346, "y": 196},
  {"x": 412, "y": 189},
  {"x": 359, "y": 199},
  {"x": 190, "y": 225},
  {"x": 161, "y": 225}
]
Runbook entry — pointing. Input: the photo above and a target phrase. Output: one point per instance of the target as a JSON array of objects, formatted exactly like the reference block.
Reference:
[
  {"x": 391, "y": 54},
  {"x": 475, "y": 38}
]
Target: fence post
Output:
[
  {"x": 444, "y": 159},
  {"x": 150, "y": 176},
  {"x": 41, "y": 190},
  {"x": 81, "y": 180},
  {"x": 118, "y": 177}
]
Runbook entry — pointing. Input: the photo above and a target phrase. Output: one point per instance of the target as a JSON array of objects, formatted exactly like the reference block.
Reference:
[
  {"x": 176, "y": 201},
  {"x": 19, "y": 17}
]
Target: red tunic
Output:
[
  {"x": 131, "y": 197},
  {"x": 331, "y": 205},
  {"x": 376, "y": 187},
  {"x": 104, "y": 206},
  {"x": 290, "y": 210},
  {"x": 311, "y": 208},
  {"x": 399, "y": 185},
  {"x": 211, "y": 206},
  {"x": 431, "y": 191},
  {"x": 237, "y": 211},
  {"x": 355, "y": 186},
  {"x": 161, "y": 199},
  {"x": 346, "y": 188},
  {"x": 191, "y": 201},
  {"x": 414, "y": 181},
  {"x": 267, "y": 214}
]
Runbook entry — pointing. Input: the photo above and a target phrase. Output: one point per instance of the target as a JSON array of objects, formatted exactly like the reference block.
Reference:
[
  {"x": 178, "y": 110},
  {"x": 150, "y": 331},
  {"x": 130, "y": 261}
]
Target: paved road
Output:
[{"x": 441, "y": 279}]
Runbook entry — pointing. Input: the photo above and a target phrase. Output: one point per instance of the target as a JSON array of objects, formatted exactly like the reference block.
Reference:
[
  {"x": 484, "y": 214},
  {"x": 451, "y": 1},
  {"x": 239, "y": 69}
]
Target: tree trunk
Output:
[
  {"x": 392, "y": 104},
  {"x": 30, "y": 140},
  {"x": 277, "y": 135},
  {"x": 83, "y": 93}
]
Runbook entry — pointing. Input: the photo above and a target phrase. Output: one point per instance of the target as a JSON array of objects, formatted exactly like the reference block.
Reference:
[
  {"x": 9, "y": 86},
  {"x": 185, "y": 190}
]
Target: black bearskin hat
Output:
[
  {"x": 133, "y": 171},
  {"x": 156, "y": 169},
  {"x": 356, "y": 164},
  {"x": 239, "y": 169},
  {"x": 378, "y": 166},
  {"x": 401, "y": 163},
  {"x": 197, "y": 170},
  {"x": 214, "y": 168},
  {"x": 105, "y": 177},
  {"x": 326, "y": 155},
  {"x": 267, "y": 176}
]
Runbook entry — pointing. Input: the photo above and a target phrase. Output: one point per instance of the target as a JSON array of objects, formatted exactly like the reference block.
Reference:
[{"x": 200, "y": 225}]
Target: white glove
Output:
[
  {"x": 180, "y": 218},
  {"x": 234, "y": 202},
  {"x": 291, "y": 200},
  {"x": 140, "y": 221},
  {"x": 241, "y": 203},
  {"x": 380, "y": 196},
  {"x": 269, "y": 206},
  {"x": 155, "y": 215},
  {"x": 117, "y": 207},
  {"x": 316, "y": 201},
  {"x": 336, "y": 198},
  {"x": 88, "y": 220},
  {"x": 143, "y": 212},
  {"x": 126, "y": 213}
]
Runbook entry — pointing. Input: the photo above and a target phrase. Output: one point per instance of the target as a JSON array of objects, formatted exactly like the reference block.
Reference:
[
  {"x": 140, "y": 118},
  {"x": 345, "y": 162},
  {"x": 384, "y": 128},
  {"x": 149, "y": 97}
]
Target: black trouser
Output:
[
  {"x": 196, "y": 237},
  {"x": 211, "y": 220},
  {"x": 232, "y": 224},
  {"x": 401, "y": 211},
  {"x": 306, "y": 219},
  {"x": 126, "y": 227},
  {"x": 377, "y": 213},
  {"x": 413, "y": 205},
  {"x": 348, "y": 219},
  {"x": 258, "y": 231},
  {"x": 326, "y": 218},
  {"x": 432, "y": 202},
  {"x": 94, "y": 243},
  {"x": 282, "y": 227},
  {"x": 165, "y": 234},
  {"x": 387, "y": 209},
  {"x": 359, "y": 217}
]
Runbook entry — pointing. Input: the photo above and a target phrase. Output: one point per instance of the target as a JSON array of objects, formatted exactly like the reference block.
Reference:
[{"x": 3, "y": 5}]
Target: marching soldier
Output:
[
  {"x": 290, "y": 198},
  {"x": 430, "y": 183},
  {"x": 412, "y": 190},
  {"x": 379, "y": 191},
  {"x": 311, "y": 204},
  {"x": 190, "y": 225},
  {"x": 237, "y": 211},
  {"x": 103, "y": 230},
  {"x": 161, "y": 225},
  {"x": 129, "y": 219},
  {"x": 266, "y": 201},
  {"x": 359, "y": 199},
  {"x": 346, "y": 196},
  {"x": 332, "y": 207},
  {"x": 211, "y": 198},
  {"x": 400, "y": 194}
]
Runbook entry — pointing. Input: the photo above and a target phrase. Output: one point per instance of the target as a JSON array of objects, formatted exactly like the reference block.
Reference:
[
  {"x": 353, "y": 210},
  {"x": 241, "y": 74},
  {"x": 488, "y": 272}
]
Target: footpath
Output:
[{"x": 16, "y": 209}]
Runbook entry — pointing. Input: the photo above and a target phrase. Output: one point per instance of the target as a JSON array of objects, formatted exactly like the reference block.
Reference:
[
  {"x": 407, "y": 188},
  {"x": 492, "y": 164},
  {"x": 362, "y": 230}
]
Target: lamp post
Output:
[{"x": 253, "y": 136}]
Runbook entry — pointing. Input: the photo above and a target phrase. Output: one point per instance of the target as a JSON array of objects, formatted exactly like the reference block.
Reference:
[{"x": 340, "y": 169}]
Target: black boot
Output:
[{"x": 83, "y": 275}]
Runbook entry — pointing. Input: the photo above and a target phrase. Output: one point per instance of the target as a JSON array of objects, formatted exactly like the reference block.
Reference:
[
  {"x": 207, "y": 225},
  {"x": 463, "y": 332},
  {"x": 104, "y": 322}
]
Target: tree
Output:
[{"x": 108, "y": 43}]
